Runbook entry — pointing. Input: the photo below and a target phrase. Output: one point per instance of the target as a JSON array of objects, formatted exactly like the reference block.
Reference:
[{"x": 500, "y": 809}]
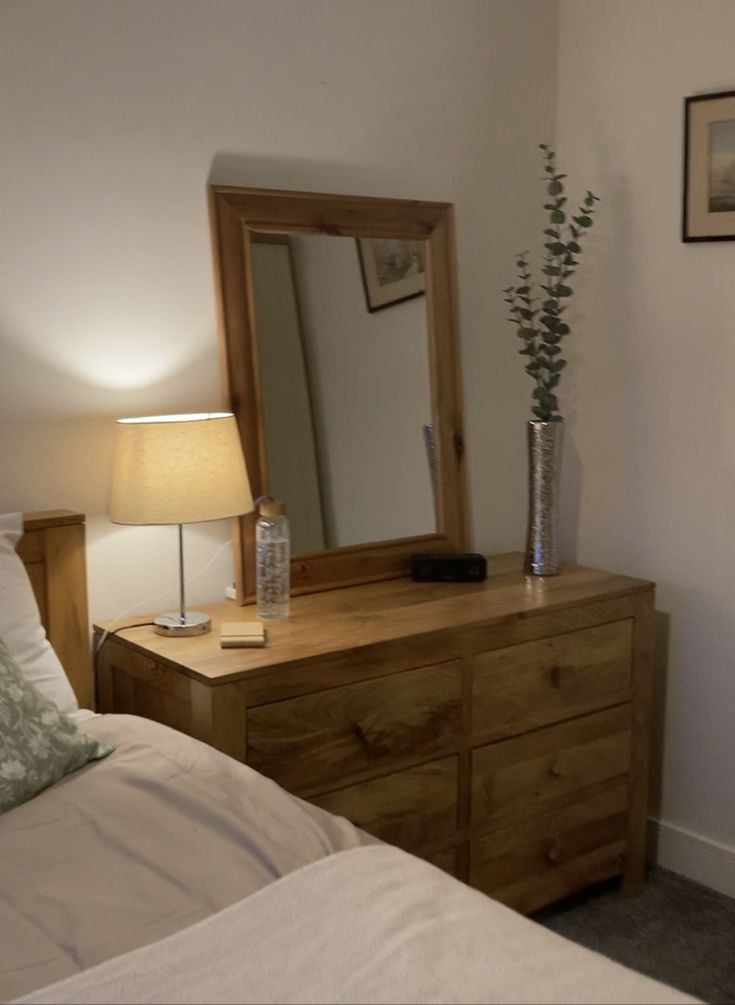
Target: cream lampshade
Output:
[{"x": 177, "y": 469}]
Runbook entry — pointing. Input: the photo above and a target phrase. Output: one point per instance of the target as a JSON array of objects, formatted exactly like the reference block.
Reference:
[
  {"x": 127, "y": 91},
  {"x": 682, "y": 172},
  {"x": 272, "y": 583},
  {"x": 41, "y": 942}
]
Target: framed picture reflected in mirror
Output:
[{"x": 393, "y": 270}]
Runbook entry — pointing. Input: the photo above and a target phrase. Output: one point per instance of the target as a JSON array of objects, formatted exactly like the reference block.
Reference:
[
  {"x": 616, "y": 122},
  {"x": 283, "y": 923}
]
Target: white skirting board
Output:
[{"x": 694, "y": 856}]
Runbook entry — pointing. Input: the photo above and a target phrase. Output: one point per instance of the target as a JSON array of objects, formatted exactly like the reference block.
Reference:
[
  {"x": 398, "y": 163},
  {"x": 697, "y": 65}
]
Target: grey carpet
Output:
[{"x": 677, "y": 931}]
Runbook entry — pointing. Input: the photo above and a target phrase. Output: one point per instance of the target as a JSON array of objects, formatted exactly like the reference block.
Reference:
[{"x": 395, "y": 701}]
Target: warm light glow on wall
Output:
[{"x": 129, "y": 360}]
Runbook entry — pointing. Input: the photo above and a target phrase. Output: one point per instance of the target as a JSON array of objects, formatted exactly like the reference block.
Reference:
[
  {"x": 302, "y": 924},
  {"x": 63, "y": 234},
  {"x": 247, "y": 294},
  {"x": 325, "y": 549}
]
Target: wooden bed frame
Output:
[{"x": 52, "y": 550}]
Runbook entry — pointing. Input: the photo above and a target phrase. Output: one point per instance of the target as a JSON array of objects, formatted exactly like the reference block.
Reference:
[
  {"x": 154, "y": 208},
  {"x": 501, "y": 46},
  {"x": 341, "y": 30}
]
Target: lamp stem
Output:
[{"x": 182, "y": 604}]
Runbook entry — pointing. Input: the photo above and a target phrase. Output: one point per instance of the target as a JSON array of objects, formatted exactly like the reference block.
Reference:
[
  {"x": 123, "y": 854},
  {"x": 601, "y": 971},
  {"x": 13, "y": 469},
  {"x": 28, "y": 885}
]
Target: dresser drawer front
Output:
[
  {"x": 327, "y": 740},
  {"x": 411, "y": 809},
  {"x": 530, "y": 774},
  {"x": 541, "y": 860},
  {"x": 538, "y": 683}
]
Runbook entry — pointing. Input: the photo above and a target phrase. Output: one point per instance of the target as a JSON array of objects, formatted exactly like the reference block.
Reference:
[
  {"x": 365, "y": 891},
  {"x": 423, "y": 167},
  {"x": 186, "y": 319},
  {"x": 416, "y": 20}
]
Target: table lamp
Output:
[{"x": 177, "y": 469}]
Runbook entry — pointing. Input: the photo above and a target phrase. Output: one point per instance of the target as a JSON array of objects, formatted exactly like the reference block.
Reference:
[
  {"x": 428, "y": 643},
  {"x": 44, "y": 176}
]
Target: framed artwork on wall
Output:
[
  {"x": 709, "y": 167},
  {"x": 393, "y": 270}
]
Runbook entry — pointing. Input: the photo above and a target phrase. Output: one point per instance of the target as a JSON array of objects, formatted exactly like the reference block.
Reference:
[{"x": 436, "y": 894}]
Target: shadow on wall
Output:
[
  {"x": 571, "y": 497},
  {"x": 606, "y": 397},
  {"x": 230, "y": 168},
  {"x": 662, "y": 630}
]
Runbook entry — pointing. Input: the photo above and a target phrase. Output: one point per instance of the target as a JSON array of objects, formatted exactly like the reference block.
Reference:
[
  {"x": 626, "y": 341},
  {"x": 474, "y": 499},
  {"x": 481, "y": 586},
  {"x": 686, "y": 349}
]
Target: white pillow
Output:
[{"x": 20, "y": 622}]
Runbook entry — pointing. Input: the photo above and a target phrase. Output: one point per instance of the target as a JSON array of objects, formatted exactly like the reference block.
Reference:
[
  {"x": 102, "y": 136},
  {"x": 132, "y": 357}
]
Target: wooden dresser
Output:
[{"x": 499, "y": 730}]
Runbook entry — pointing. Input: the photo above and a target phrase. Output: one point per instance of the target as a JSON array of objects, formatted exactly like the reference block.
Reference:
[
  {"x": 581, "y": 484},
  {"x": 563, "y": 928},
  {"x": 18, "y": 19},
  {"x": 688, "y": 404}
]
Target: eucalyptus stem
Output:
[{"x": 543, "y": 329}]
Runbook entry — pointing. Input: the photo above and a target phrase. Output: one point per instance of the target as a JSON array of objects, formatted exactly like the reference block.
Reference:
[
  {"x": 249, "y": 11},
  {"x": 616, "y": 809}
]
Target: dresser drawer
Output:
[
  {"x": 324, "y": 741},
  {"x": 541, "y": 860},
  {"x": 549, "y": 768},
  {"x": 446, "y": 860},
  {"x": 538, "y": 683},
  {"x": 411, "y": 809}
]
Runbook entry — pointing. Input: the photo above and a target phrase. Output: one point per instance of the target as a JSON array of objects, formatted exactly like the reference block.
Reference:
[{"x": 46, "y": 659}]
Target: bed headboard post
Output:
[{"x": 52, "y": 549}]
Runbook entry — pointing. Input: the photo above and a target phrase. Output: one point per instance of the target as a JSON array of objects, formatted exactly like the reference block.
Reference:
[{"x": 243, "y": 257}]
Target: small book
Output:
[{"x": 238, "y": 634}]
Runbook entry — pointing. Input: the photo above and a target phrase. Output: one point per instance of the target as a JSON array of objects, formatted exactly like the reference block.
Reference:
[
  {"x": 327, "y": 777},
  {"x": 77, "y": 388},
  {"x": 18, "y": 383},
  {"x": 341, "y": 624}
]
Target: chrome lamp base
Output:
[{"x": 182, "y": 623}]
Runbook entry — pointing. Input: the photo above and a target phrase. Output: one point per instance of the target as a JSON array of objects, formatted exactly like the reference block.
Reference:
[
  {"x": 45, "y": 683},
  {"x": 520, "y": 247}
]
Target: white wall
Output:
[
  {"x": 370, "y": 392},
  {"x": 115, "y": 114},
  {"x": 650, "y": 389}
]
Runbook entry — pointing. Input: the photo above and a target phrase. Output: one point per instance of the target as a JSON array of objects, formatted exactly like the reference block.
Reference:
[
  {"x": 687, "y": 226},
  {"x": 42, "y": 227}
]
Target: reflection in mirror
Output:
[{"x": 345, "y": 387}]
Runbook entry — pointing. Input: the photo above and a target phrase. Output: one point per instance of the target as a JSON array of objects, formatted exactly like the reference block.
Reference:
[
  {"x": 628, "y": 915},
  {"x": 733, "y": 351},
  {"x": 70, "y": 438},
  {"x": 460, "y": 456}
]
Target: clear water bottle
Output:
[{"x": 273, "y": 559}]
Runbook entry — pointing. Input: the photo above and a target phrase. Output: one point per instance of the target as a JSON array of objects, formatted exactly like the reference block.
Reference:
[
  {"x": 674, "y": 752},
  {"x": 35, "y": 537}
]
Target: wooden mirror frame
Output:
[{"x": 237, "y": 214}]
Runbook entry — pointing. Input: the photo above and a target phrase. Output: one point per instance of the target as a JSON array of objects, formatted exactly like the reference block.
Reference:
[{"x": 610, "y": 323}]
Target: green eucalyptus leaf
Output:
[{"x": 542, "y": 329}]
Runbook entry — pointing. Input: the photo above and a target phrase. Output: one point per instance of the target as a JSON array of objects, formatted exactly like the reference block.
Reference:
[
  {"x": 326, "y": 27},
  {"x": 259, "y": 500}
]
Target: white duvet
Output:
[
  {"x": 170, "y": 873},
  {"x": 364, "y": 926}
]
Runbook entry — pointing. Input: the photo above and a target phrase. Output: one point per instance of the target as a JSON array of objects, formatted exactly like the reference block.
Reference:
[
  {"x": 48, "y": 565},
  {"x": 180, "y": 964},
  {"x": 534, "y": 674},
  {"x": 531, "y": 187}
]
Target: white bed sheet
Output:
[{"x": 163, "y": 833}]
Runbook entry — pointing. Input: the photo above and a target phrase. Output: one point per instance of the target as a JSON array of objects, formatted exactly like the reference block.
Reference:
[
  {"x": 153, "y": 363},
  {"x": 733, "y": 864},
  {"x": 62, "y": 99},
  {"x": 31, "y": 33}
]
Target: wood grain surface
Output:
[
  {"x": 498, "y": 729},
  {"x": 53, "y": 551},
  {"x": 412, "y": 809},
  {"x": 549, "y": 680},
  {"x": 342, "y": 734},
  {"x": 549, "y": 767},
  {"x": 241, "y": 215}
]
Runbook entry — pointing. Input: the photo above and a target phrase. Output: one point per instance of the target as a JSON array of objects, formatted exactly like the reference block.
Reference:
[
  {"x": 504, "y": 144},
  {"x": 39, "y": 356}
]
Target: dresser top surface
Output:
[
  {"x": 348, "y": 619},
  {"x": 338, "y": 621}
]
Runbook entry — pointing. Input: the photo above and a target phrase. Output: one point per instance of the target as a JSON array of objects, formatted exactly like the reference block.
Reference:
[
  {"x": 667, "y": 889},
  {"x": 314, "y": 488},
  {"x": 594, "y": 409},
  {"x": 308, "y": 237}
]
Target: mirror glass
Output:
[{"x": 343, "y": 356}]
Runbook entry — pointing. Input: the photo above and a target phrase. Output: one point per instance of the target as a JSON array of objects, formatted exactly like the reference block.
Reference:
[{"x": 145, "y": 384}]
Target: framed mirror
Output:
[{"x": 340, "y": 360}]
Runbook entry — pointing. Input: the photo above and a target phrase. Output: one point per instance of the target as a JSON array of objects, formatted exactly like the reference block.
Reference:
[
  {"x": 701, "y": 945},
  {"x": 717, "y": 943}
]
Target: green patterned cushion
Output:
[{"x": 38, "y": 743}]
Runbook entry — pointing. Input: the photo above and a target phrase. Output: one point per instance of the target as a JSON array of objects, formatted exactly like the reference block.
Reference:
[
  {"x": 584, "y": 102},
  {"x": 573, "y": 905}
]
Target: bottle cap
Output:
[{"x": 272, "y": 507}]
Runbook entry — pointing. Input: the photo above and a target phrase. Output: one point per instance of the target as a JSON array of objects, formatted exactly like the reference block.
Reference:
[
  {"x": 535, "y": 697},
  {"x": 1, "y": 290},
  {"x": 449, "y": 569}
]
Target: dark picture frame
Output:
[
  {"x": 393, "y": 270},
  {"x": 708, "y": 212}
]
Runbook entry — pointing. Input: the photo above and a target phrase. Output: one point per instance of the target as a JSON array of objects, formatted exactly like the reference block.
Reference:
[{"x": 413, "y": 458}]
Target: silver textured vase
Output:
[{"x": 544, "y": 471}]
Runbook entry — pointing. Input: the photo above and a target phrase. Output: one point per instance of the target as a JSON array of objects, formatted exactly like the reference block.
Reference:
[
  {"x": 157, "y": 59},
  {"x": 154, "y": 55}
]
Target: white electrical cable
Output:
[{"x": 164, "y": 593}]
